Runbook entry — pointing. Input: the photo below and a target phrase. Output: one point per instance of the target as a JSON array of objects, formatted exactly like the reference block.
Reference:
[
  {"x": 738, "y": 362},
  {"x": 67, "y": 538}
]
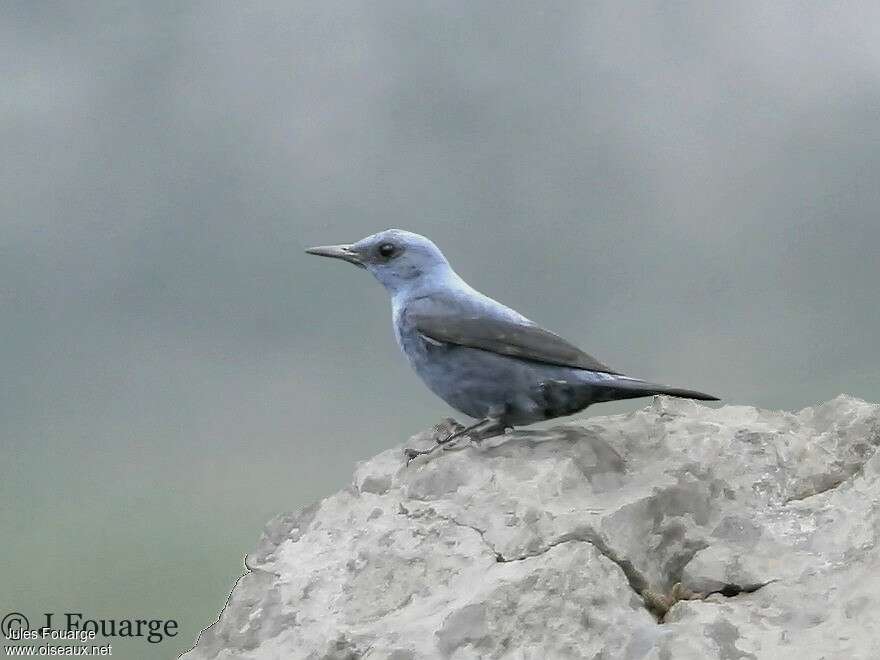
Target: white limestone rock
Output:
[{"x": 759, "y": 528}]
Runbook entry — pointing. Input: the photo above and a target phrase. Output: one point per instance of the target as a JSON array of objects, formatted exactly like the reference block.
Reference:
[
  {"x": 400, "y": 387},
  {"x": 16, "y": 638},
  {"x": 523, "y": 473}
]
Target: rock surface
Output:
[{"x": 678, "y": 531}]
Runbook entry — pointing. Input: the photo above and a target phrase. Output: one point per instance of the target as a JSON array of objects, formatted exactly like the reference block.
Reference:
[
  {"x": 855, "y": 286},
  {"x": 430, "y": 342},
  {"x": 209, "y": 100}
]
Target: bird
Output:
[{"x": 483, "y": 358}]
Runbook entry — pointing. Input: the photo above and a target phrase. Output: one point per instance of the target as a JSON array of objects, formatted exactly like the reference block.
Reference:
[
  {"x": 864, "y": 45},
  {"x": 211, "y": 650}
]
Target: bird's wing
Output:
[{"x": 448, "y": 322}]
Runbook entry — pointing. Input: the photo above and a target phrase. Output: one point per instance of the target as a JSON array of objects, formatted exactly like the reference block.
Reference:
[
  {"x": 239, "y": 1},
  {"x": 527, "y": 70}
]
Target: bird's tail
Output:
[
  {"x": 632, "y": 388},
  {"x": 560, "y": 397}
]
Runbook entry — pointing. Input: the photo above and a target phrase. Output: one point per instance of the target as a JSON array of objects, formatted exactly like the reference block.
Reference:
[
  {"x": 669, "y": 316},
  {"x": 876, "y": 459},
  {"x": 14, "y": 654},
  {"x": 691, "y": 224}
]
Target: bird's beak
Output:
[{"x": 344, "y": 252}]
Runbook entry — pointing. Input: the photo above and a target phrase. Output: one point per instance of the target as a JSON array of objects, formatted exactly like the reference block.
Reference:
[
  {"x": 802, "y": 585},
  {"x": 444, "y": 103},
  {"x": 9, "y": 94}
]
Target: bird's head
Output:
[{"x": 399, "y": 259}]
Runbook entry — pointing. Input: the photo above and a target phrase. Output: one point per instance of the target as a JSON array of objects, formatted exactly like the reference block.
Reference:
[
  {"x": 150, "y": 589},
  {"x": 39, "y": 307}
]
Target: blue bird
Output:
[{"x": 481, "y": 357}]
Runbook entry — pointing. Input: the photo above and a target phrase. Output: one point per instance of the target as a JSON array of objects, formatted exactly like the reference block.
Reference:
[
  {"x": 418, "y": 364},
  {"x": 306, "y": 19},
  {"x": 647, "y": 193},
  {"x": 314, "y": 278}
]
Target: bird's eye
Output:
[{"x": 386, "y": 250}]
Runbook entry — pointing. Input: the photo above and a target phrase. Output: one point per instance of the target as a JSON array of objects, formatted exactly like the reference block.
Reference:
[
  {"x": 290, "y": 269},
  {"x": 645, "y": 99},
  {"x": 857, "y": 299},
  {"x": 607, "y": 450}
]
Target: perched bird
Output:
[{"x": 482, "y": 358}]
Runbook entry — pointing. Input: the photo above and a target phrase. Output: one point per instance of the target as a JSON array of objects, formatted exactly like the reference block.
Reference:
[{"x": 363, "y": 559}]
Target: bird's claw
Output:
[
  {"x": 443, "y": 432},
  {"x": 411, "y": 454},
  {"x": 448, "y": 446},
  {"x": 445, "y": 445},
  {"x": 446, "y": 430},
  {"x": 474, "y": 433}
]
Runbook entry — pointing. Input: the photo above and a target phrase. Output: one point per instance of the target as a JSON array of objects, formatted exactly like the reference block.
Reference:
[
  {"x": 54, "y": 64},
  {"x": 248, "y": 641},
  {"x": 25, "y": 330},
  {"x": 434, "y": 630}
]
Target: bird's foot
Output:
[
  {"x": 447, "y": 444},
  {"x": 458, "y": 443},
  {"x": 442, "y": 433},
  {"x": 485, "y": 428},
  {"x": 476, "y": 437},
  {"x": 446, "y": 430},
  {"x": 410, "y": 454}
]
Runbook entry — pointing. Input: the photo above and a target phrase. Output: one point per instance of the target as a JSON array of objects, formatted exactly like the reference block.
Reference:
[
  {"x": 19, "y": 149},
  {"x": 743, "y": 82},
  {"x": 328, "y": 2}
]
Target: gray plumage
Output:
[{"x": 481, "y": 357}]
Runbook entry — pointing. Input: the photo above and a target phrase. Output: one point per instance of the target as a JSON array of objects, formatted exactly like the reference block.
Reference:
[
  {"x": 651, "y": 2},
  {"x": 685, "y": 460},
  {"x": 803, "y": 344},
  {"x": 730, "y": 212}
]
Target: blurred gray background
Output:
[{"x": 689, "y": 191}]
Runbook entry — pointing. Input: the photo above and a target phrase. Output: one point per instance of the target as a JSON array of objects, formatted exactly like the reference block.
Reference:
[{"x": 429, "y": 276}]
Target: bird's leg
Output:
[
  {"x": 440, "y": 433},
  {"x": 439, "y": 442},
  {"x": 485, "y": 428},
  {"x": 445, "y": 430},
  {"x": 482, "y": 427}
]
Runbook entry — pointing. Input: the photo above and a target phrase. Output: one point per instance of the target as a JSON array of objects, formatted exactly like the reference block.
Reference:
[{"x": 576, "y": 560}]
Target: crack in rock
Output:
[
  {"x": 832, "y": 486},
  {"x": 658, "y": 604},
  {"x": 662, "y": 603},
  {"x": 731, "y": 590},
  {"x": 481, "y": 532},
  {"x": 637, "y": 582}
]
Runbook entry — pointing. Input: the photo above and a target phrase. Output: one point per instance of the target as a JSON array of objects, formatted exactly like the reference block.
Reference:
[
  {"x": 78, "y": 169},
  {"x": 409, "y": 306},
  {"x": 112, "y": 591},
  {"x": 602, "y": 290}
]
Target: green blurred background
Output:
[{"x": 689, "y": 191}]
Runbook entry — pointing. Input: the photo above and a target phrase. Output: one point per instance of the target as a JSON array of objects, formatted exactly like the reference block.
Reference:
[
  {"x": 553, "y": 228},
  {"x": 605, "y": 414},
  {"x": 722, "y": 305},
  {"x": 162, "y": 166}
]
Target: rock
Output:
[{"x": 676, "y": 531}]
